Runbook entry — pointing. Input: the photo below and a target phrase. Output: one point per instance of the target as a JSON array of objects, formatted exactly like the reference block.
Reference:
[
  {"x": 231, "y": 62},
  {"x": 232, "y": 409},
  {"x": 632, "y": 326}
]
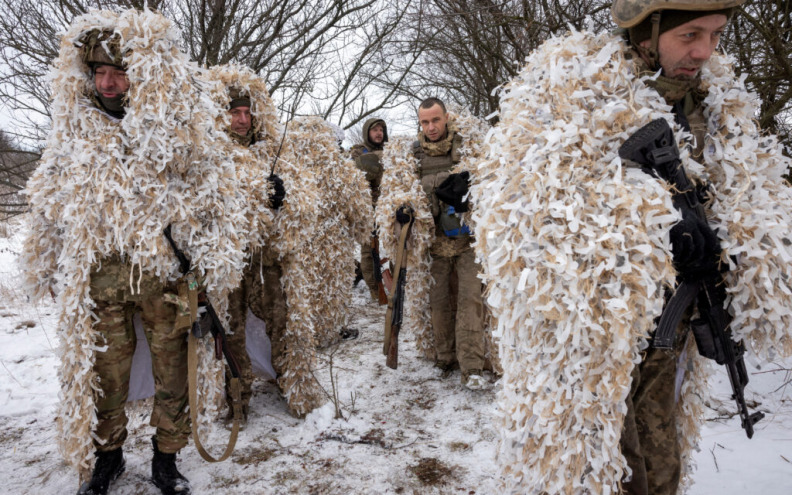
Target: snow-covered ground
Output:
[{"x": 403, "y": 431}]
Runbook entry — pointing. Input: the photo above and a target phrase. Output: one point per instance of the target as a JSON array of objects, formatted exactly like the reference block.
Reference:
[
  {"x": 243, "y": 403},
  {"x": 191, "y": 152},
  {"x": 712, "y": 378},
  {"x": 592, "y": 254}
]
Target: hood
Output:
[{"x": 368, "y": 125}]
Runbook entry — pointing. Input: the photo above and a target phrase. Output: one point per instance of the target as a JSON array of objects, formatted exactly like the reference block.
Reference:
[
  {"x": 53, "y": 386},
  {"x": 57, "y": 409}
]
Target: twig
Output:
[
  {"x": 712, "y": 451},
  {"x": 10, "y": 374}
]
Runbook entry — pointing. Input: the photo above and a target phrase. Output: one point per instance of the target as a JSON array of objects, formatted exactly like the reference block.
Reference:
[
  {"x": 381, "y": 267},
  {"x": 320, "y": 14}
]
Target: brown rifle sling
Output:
[
  {"x": 192, "y": 383},
  {"x": 401, "y": 259}
]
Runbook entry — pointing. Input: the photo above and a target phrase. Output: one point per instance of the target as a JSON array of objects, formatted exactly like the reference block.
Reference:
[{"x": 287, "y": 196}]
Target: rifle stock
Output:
[
  {"x": 653, "y": 147},
  {"x": 393, "y": 316}
]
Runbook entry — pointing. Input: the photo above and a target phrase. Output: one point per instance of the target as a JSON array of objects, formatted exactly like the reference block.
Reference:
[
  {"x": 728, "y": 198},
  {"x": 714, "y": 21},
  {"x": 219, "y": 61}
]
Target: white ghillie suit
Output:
[
  {"x": 253, "y": 163},
  {"x": 576, "y": 255},
  {"x": 109, "y": 187},
  {"x": 344, "y": 218},
  {"x": 289, "y": 235},
  {"x": 401, "y": 186}
]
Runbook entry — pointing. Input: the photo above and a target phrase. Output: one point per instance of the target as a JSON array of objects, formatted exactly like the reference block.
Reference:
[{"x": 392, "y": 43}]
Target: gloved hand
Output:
[
  {"x": 453, "y": 189},
  {"x": 696, "y": 249},
  {"x": 278, "y": 193},
  {"x": 404, "y": 214}
]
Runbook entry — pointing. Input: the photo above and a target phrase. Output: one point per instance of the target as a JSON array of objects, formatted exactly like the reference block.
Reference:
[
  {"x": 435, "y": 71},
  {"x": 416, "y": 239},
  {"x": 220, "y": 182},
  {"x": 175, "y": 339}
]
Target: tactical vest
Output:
[{"x": 433, "y": 170}]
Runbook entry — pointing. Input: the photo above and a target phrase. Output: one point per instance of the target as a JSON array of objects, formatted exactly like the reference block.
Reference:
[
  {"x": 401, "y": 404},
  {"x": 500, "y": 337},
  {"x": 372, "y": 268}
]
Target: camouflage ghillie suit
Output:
[
  {"x": 260, "y": 291},
  {"x": 455, "y": 298},
  {"x": 373, "y": 170},
  {"x": 107, "y": 186},
  {"x": 575, "y": 252}
]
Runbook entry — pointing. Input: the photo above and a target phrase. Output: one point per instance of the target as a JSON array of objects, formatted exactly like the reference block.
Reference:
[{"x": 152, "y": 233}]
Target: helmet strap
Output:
[{"x": 655, "y": 31}]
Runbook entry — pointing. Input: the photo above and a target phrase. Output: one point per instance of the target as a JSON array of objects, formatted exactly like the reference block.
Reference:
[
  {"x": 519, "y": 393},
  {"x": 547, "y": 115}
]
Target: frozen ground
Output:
[{"x": 404, "y": 431}]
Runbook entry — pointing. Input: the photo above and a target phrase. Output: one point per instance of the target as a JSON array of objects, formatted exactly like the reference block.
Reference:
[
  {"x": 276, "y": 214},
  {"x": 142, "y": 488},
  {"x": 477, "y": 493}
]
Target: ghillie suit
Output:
[
  {"x": 576, "y": 253},
  {"x": 229, "y": 82},
  {"x": 106, "y": 188},
  {"x": 345, "y": 218},
  {"x": 401, "y": 186}
]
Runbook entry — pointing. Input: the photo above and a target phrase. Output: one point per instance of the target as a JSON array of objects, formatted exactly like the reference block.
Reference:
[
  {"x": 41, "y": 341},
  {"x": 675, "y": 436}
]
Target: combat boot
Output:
[
  {"x": 108, "y": 467},
  {"x": 165, "y": 475}
]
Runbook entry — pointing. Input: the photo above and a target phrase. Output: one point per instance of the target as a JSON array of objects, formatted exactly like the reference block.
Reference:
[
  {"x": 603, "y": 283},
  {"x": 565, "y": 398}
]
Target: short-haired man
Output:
[
  {"x": 368, "y": 156},
  {"x": 457, "y": 312}
]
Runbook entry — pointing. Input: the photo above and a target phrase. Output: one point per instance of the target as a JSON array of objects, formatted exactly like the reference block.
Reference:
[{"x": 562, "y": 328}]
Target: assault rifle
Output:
[
  {"x": 395, "y": 312},
  {"x": 215, "y": 327},
  {"x": 653, "y": 148},
  {"x": 382, "y": 296}
]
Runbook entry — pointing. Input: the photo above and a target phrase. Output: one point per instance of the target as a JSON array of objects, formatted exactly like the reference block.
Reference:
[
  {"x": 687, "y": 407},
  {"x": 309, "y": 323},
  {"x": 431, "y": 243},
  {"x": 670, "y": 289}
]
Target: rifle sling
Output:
[
  {"x": 674, "y": 309},
  {"x": 192, "y": 384},
  {"x": 400, "y": 260}
]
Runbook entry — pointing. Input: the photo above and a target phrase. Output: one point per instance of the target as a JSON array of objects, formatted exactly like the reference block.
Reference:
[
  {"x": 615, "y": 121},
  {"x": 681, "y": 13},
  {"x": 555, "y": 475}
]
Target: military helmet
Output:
[
  {"x": 628, "y": 13},
  {"x": 101, "y": 47}
]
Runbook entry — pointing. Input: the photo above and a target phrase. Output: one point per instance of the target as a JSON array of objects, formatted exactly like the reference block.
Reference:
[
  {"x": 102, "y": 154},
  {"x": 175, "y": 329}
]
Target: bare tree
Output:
[
  {"x": 316, "y": 55},
  {"x": 761, "y": 40},
  {"x": 16, "y": 165},
  {"x": 462, "y": 50}
]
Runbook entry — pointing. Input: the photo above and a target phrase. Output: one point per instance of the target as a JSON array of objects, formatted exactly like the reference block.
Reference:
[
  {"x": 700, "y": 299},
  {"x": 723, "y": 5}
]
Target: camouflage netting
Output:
[
  {"x": 576, "y": 255},
  {"x": 254, "y": 164},
  {"x": 345, "y": 218},
  {"x": 401, "y": 186},
  {"x": 109, "y": 187}
]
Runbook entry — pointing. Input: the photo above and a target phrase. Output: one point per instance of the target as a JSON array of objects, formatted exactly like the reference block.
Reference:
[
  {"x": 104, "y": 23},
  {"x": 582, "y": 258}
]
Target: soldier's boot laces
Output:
[
  {"x": 165, "y": 475},
  {"x": 108, "y": 467}
]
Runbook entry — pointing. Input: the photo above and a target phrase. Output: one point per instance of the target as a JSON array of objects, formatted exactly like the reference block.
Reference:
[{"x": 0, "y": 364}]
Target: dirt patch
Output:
[
  {"x": 432, "y": 472},
  {"x": 253, "y": 456},
  {"x": 458, "y": 446}
]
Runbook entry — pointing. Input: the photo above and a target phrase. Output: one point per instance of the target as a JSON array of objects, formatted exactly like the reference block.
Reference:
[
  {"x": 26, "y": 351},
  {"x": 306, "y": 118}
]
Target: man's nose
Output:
[{"x": 702, "y": 49}]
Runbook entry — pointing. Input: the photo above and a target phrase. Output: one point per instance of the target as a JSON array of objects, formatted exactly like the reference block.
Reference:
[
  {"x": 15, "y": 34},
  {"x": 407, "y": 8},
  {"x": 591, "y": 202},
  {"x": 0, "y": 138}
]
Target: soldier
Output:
[
  {"x": 367, "y": 158},
  {"x": 261, "y": 289},
  {"x": 110, "y": 181},
  {"x": 576, "y": 253},
  {"x": 418, "y": 182}
]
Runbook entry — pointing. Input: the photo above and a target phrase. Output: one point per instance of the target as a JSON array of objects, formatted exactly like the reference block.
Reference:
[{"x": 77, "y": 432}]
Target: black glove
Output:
[
  {"x": 695, "y": 248},
  {"x": 453, "y": 189},
  {"x": 278, "y": 192},
  {"x": 404, "y": 215}
]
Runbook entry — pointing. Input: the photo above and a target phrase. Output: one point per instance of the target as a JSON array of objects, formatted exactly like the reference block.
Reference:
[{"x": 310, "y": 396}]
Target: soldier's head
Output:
[
  {"x": 375, "y": 133},
  {"x": 678, "y": 36},
  {"x": 239, "y": 108},
  {"x": 433, "y": 117},
  {"x": 102, "y": 54}
]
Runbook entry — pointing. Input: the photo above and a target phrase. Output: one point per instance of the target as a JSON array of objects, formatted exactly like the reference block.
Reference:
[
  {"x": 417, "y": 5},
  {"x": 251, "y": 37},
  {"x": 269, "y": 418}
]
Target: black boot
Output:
[
  {"x": 165, "y": 475},
  {"x": 108, "y": 467}
]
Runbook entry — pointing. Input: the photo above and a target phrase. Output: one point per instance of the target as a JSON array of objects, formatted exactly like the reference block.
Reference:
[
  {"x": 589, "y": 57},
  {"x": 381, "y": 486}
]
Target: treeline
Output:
[{"x": 347, "y": 60}]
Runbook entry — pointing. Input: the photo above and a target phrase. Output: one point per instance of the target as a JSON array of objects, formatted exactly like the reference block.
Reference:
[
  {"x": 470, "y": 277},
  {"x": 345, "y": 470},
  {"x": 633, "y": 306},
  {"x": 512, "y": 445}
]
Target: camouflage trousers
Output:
[
  {"x": 261, "y": 291},
  {"x": 458, "y": 323},
  {"x": 367, "y": 269},
  {"x": 649, "y": 437},
  {"x": 115, "y": 307}
]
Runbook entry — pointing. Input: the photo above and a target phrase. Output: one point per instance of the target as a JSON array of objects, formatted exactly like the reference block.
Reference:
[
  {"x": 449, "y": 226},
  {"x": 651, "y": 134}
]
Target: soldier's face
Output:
[
  {"x": 110, "y": 81},
  {"x": 240, "y": 120},
  {"x": 433, "y": 122},
  {"x": 684, "y": 49},
  {"x": 376, "y": 134}
]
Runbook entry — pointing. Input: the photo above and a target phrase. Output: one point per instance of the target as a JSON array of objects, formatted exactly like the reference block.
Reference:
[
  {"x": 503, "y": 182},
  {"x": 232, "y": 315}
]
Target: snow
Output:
[{"x": 402, "y": 431}]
